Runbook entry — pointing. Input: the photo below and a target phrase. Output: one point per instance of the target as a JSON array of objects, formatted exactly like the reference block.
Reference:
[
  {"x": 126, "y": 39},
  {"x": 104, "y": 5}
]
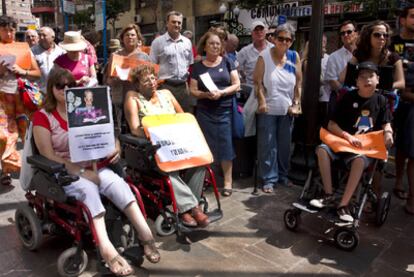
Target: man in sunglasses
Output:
[
  {"x": 338, "y": 60},
  {"x": 270, "y": 36}
]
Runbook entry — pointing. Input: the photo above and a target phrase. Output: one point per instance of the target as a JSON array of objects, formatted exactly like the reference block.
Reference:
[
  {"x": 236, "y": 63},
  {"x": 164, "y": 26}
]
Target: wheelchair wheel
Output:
[
  {"x": 383, "y": 207},
  {"x": 29, "y": 227},
  {"x": 346, "y": 239},
  {"x": 165, "y": 225},
  {"x": 128, "y": 235},
  {"x": 70, "y": 265},
  {"x": 292, "y": 219},
  {"x": 204, "y": 204}
]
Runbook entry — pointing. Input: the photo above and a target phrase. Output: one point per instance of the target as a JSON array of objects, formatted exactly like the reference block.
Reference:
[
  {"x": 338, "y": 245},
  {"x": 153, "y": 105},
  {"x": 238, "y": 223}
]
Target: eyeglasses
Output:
[
  {"x": 63, "y": 85},
  {"x": 268, "y": 35},
  {"x": 283, "y": 39},
  {"x": 347, "y": 32},
  {"x": 379, "y": 35}
]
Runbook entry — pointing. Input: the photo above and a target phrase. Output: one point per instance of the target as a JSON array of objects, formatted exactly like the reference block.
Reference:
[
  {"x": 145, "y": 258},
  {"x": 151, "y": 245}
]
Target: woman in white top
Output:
[{"x": 277, "y": 78}]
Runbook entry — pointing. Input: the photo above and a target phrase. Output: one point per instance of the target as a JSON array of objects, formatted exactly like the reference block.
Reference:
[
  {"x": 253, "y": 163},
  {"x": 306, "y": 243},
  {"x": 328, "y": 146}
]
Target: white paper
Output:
[
  {"x": 178, "y": 142},
  {"x": 8, "y": 60},
  {"x": 208, "y": 82},
  {"x": 123, "y": 73}
]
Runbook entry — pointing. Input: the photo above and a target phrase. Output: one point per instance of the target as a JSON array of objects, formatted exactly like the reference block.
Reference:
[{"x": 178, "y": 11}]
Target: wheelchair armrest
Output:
[
  {"x": 136, "y": 141},
  {"x": 45, "y": 164}
]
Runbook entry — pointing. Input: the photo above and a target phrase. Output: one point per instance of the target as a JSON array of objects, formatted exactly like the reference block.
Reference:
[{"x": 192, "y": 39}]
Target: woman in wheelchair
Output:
[
  {"x": 150, "y": 101},
  {"x": 51, "y": 138},
  {"x": 361, "y": 110}
]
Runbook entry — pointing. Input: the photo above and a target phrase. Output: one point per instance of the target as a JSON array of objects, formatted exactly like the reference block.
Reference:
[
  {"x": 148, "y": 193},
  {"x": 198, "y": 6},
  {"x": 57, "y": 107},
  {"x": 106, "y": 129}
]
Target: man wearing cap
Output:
[
  {"x": 173, "y": 52},
  {"x": 248, "y": 55},
  {"x": 45, "y": 54},
  {"x": 359, "y": 111}
]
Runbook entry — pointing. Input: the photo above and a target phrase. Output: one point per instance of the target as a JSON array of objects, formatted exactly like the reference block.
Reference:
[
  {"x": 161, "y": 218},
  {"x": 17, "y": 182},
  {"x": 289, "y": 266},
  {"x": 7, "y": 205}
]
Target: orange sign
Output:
[
  {"x": 182, "y": 143},
  {"x": 121, "y": 66},
  {"x": 372, "y": 144},
  {"x": 19, "y": 49}
]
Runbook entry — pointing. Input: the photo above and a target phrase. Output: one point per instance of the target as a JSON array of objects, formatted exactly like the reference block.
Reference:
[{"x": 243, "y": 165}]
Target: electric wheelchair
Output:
[
  {"x": 156, "y": 189},
  {"x": 49, "y": 211}
]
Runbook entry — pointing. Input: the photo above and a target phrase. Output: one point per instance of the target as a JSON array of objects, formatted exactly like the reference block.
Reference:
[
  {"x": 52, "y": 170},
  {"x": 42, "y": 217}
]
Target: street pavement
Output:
[{"x": 250, "y": 240}]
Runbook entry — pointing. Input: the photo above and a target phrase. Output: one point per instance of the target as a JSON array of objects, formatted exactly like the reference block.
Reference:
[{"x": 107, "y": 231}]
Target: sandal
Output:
[
  {"x": 226, "y": 192},
  {"x": 400, "y": 194},
  {"x": 153, "y": 256},
  {"x": 5, "y": 179},
  {"x": 124, "y": 270}
]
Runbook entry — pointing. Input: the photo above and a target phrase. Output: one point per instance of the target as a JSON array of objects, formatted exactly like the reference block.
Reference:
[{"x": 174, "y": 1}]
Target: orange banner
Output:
[
  {"x": 19, "y": 49},
  {"x": 182, "y": 142},
  {"x": 372, "y": 144},
  {"x": 121, "y": 66}
]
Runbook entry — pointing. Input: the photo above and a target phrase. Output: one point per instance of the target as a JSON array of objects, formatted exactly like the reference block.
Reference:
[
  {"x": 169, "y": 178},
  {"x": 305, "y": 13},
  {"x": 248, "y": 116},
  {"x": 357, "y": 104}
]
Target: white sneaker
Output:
[
  {"x": 322, "y": 202},
  {"x": 344, "y": 214}
]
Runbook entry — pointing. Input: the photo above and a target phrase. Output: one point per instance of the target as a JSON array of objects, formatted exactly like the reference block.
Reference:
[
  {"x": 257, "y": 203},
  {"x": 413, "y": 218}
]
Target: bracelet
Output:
[{"x": 388, "y": 131}]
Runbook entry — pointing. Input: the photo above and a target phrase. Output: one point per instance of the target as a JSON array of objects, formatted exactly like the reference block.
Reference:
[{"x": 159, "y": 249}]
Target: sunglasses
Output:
[
  {"x": 348, "y": 32},
  {"x": 379, "y": 35},
  {"x": 268, "y": 35},
  {"x": 63, "y": 85},
  {"x": 283, "y": 39}
]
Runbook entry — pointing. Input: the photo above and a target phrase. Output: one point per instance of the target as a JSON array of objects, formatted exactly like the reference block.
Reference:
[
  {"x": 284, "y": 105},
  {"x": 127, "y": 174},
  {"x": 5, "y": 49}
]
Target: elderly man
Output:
[
  {"x": 31, "y": 37},
  {"x": 248, "y": 55},
  {"x": 173, "y": 52},
  {"x": 45, "y": 54},
  {"x": 231, "y": 48}
]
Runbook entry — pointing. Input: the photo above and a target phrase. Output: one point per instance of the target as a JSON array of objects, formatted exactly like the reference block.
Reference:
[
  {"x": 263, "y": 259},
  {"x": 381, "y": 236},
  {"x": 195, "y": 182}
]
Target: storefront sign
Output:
[{"x": 343, "y": 7}]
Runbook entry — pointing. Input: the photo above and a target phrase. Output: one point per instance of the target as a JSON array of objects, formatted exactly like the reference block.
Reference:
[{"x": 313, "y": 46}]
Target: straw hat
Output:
[
  {"x": 72, "y": 41},
  {"x": 114, "y": 44}
]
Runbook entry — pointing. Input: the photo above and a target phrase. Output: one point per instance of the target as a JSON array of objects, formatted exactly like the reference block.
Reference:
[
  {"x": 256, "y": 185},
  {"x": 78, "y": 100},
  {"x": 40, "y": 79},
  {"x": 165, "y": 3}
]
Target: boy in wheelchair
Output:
[
  {"x": 359, "y": 111},
  {"x": 51, "y": 139},
  {"x": 147, "y": 100}
]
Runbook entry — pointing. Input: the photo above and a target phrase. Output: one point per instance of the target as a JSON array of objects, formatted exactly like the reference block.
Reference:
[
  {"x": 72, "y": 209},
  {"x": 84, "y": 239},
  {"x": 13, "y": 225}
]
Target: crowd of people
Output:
[{"x": 267, "y": 65}]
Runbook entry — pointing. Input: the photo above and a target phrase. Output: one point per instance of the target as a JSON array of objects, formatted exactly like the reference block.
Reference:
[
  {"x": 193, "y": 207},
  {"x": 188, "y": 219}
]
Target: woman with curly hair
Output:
[{"x": 373, "y": 46}]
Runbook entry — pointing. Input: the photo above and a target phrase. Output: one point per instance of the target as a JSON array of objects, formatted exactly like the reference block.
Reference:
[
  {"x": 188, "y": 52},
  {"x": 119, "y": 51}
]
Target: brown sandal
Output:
[
  {"x": 153, "y": 256},
  {"x": 124, "y": 270}
]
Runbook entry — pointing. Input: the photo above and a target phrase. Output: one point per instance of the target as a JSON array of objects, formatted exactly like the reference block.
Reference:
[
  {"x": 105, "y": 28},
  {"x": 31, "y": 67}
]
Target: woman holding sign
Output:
[
  {"x": 16, "y": 61},
  {"x": 131, "y": 40},
  {"x": 51, "y": 138},
  {"x": 150, "y": 101}
]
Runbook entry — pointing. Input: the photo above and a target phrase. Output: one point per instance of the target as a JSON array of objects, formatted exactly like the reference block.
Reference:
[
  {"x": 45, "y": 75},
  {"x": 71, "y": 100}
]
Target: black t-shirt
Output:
[
  {"x": 356, "y": 114},
  {"x": 220, "y": 75},
  {"x": 405, "y": 48}
]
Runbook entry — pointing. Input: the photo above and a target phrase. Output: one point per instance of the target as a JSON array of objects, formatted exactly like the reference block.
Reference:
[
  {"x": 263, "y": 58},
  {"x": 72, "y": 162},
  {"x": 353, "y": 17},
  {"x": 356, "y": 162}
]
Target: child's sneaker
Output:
[
  {"x": 322, "y": 202},
  {"x": 344, "y": 214}
]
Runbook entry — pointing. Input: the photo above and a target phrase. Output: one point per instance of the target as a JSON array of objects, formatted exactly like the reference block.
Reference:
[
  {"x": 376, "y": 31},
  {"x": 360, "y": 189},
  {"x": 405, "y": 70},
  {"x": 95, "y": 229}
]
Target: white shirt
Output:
[
  {"x": 45, "y": 59},
  {"x": 279, "y": 83},
  {"x": 247, "y": 58},
  {"x": 336, "y": 63},
  {"x": 325, "y": 90},
  {"x": 173, "y": 56}
]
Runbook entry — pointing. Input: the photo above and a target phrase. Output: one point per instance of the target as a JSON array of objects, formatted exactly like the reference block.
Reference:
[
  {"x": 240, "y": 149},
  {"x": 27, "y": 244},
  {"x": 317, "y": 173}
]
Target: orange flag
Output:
[
  {"x": 19, "y": 49},
  {"x": 372, "y": 144}
]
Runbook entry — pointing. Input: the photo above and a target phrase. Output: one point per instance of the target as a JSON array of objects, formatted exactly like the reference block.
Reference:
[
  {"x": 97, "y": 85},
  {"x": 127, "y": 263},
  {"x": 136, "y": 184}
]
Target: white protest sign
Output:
[
  {"x": 90, "y": 123},
  {"x": 178, "y": 142}
]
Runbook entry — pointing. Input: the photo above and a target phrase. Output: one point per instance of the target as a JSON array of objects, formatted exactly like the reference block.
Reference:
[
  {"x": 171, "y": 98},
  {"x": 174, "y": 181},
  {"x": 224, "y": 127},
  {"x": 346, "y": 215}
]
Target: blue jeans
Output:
[{"x": 273, "y": 148}]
